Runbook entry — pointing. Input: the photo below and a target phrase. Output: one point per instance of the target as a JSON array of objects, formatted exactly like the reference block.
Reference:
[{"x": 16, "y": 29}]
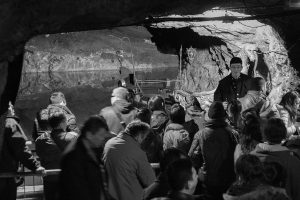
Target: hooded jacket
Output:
[
  {"x": 217, "y": 148},
  {"x": 176, "y": 136},
  {"x": 118, "y": 115},
  {"x": 286, "y": 158}
]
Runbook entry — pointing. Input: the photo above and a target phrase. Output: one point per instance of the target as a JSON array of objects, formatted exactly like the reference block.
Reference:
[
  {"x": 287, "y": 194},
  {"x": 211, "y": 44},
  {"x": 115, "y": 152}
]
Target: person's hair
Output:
[
  {"x": 288, "y": 101},
  {"x": 193, "y": 101},
  {"x": 57, "y": 97},
  {"x": 156, "y": 103},
  {"x": 136, "y": 127},
  {"x": 42, "y": 118},
  {"x": 251, "y": 133},
  {"x": 177, "y": 114},
  {"x": 255, "y": 83},
  {"x": 144, "y": 115},
  {"x": 93, "y": 124},
  {"x": 56, "y": 119},
  {"x": 179, "y": 173},
  {"x": 274, "y": 131},
  {"x": 235, "y": 60},
  {"x": 249, "y": 168},
  {"x": 274, "y": 174},
  {"x": 170, "y": 155},
  {"x": 235, "y": 108}
]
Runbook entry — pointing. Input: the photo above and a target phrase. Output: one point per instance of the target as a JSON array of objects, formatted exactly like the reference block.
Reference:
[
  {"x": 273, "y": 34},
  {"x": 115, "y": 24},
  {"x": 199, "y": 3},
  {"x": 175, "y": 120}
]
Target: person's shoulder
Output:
[{"x": 245, "y": 76}]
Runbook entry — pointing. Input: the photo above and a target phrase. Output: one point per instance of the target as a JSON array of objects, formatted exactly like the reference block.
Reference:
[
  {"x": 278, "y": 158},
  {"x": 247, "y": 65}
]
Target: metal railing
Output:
[{"x": 47, "y": 172}]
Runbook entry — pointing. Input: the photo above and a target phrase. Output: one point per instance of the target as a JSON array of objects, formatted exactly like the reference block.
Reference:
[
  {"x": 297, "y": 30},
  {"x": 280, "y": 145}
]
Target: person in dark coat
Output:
[
  {"x": 14, "y": 150},
  {"x": 152, "y": 144},
  {"x": 83, "y": 175},
  {"x": 50, "y": 156},
  {"x": 217, "y": 146},
  {"x": 121, "y": 113},
  {"x": 160, "y": 187},
  {"x": 233, "y": 86},
  {"x": 59, "y": 134},
  {"x": 182, "y": 178},
  {"x": 273, "y": 151},
  {"x": 159, "y": 117}
]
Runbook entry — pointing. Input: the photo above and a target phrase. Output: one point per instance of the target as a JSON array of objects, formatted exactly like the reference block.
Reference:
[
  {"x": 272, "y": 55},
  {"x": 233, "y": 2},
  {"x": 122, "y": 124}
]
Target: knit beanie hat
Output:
[
  {"x": 216, "y": 110},
  {"x": 57, "y": 98},
  {"x": 120, "y": 92}
]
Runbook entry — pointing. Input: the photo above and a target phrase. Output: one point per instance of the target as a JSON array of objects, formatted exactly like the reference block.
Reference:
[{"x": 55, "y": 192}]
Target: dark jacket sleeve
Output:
[
  {"x": 71, "y": 188},
  {"x": 21, "y": 152},
  {"x": 218, "y": 95}
]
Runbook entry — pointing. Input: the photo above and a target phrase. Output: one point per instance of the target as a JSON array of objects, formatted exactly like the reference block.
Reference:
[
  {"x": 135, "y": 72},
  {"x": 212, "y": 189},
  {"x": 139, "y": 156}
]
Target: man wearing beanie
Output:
[
  {"x": 216, "y": 145},
  {"x": 121, "y": 112},
  {"x": 233, "y": 86}
]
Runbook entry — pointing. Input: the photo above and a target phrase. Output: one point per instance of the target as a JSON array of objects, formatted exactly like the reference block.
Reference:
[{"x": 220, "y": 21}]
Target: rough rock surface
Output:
[
  {"x": 262, "y": 50},
  {"x": 125, "y": 47}
]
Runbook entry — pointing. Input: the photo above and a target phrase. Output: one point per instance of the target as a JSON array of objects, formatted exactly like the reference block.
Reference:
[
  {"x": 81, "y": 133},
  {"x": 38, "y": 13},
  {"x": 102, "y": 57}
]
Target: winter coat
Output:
[
  {"x": 217, "y": 148},
  {"x": 153, "y": 147},
  {"x": 285, "y": 116},
  {"x": 62, "y": 139},
  {"x": 83, "y": 175},
  {"x": 286, "y": 158},
  {"x": 196, "y": 115},
  {"x": 251, "y": 99},
  {"x": 128, "y": 169},
  {"x": 158, "y": 123},
  {"x": 259, "y": 192},
  {"x": 49, "y": 153},
  {"x": 53, "y": 108},
  {"x": 176, "y": 136},
  {"x": 224, "y": 91},
  {"x": 14, "y": 150},
  {"x": 118, "y": 115}
]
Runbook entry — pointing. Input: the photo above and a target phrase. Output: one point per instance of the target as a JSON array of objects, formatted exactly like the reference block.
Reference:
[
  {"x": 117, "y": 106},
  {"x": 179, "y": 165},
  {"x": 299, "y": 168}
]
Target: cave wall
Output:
[
  {"x": 108, "y": 49},
  {"x": 262, "y": 49}
]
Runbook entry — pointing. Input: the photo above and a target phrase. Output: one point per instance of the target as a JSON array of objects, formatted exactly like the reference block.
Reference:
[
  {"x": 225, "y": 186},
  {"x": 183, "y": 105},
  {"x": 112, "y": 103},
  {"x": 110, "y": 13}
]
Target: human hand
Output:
[{"x": 41, "y": 170}]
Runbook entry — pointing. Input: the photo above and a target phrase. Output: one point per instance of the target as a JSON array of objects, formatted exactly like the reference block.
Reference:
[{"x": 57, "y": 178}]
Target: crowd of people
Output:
[{"x": 243, "y": 147}]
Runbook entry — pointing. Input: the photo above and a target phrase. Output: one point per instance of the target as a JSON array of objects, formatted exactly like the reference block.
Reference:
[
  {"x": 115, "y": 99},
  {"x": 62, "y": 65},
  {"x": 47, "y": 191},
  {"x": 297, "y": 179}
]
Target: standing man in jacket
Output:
[
  {"x": 233, "y": 86},
  {"x": 121, "y": 112},
  {"x": 14, "y": 150},
  {"x": 83, "y": 175},
  {"x": 128, "y": 169}
]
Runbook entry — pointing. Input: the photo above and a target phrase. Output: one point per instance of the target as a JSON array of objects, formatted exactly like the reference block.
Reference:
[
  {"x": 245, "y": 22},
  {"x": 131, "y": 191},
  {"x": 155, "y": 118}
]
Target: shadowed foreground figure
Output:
[
  {"x": 183, "y": 179},
  {"x": 129, "y": 171},
  {"x": 273, "y": 151},
  {"x": 83, "y": 176},
  {"x": 161, "y": 187},
  {"x": 14, "y": 150},
  {"x": 252, "y": 181}
]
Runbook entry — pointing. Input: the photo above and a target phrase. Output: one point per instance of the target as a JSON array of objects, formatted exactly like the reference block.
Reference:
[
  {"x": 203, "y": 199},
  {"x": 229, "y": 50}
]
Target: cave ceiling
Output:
[{"x": 21, "y": 20}]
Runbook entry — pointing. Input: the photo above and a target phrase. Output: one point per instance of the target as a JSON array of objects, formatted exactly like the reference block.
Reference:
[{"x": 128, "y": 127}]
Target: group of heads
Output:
[
  {"x": 249, "y": 169},
  {"x": 179, "y": 170}
]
